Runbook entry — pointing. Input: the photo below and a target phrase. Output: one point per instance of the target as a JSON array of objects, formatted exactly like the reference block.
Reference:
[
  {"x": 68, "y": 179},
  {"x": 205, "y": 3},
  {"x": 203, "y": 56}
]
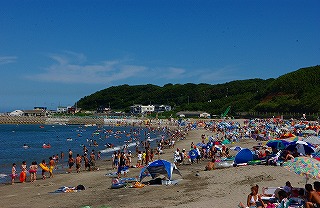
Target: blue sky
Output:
[{"x": 56, "y": 52}]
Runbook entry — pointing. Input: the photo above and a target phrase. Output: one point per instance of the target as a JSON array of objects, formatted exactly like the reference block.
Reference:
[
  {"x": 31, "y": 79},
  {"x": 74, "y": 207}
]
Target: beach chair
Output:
[{"x": 269, "y": 194}]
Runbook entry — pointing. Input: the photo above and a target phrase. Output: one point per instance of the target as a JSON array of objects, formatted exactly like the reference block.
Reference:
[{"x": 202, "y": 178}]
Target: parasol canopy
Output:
[{"x": 305, "y": 166}]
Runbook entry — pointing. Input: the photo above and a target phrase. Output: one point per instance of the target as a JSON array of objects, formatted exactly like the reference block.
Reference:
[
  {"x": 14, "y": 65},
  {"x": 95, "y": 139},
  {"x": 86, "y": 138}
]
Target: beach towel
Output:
[{"x": 69, "y": 189}]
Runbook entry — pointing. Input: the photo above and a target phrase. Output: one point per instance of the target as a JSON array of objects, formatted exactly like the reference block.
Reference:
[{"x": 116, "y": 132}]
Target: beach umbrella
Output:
[
  {"x": 278, "y": 144},
  {"x": 312, "y": 139},
  {"x": 308, "y": 131},
  {"x": 302, "y": 147},
  {"x": 236, "y": 148},
  {"x": 193, "y": 154},
  {"x": 295, "y": 138},
  {"x": 305, "y": 166},
  {"x": 200, "y": 144}
]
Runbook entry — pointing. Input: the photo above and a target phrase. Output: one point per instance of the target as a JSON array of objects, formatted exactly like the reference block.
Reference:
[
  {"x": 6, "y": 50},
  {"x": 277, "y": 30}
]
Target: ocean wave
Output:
[
  {"x": 3, "y": 175},
  {"x": 127, "y": 144}
]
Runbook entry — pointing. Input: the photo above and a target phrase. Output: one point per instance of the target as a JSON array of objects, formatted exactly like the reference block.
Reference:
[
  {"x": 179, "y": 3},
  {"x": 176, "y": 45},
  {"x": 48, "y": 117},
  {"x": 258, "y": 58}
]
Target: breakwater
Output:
[
  {"x": 80, "y": 120},
  {"x": 51, "y": 120}
]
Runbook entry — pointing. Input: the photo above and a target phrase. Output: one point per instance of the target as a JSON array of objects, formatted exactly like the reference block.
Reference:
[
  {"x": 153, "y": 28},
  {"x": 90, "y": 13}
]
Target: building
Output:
[
  {"x": 141, "y": 109},
  {"x": 36, "y": 112},
  {"x": 102, "y": 109},
  {"x": 162, "y": 108},
  {"x": 62, "y": 109},
  {"x": 193, "y": 114}
]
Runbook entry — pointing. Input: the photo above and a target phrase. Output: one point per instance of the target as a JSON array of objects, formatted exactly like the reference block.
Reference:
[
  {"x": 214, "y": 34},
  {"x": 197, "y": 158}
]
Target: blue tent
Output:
[
  {"x": 159, "y": 167},
  {"x": 243, "y": 156}
]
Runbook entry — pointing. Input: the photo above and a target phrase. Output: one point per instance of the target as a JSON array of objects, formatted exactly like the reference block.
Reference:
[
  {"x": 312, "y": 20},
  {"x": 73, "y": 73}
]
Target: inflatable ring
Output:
[{"x": 44, "y": 167}]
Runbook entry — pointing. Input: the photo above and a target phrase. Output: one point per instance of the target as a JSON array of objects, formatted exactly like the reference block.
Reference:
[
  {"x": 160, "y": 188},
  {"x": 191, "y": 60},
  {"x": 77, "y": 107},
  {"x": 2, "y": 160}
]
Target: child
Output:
[
  {"x": 43, "y": 171},
  {"x": 24, "y": 169},
  {"x": 33, "y": 171},
  {"x": 13, "y": 173},
  {"x": 139, "y": 159}
]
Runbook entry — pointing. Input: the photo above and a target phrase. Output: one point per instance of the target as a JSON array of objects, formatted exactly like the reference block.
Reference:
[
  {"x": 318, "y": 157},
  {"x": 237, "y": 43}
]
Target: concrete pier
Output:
[{"x": 51, "y": 120}]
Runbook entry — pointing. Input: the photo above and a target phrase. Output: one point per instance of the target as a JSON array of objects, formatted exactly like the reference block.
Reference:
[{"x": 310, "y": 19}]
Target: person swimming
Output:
[{"x": 25, "y": 146}]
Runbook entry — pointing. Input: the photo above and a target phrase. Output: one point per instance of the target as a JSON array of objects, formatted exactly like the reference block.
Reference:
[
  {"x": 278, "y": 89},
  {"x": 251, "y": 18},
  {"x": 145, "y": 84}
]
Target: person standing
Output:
[
  {"x": 33, "y": 171},
  {"x": 43, "y": 169},
  {"x": 122, "y": 165},
  {"x": 70, "y": 163},
  {"x": 92, "y": 160},
  {"x": 86, "y": 161},
  {"x": 78, "y": 163},
  {"x": 24, "y": 169},
  {"x": 51, "y": 166},
  {"x": 13, "y": 173}
]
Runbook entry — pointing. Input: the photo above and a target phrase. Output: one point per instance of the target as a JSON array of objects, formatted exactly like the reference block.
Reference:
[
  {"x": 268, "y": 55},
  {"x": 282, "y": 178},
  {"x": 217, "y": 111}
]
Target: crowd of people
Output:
[{"x": 49, "y": 167}]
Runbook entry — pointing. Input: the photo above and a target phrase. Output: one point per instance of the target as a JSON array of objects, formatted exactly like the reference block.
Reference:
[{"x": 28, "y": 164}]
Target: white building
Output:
[{"x": 62, "y": 109}]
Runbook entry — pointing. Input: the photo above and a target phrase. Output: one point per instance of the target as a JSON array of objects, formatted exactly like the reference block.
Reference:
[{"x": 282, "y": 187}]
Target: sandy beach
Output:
[{"x": 198, "y": 188}]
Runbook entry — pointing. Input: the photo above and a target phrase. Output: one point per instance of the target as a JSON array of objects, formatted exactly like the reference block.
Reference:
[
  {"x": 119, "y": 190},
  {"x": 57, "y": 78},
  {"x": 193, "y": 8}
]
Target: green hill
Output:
[{"x": 297, "y": 91}]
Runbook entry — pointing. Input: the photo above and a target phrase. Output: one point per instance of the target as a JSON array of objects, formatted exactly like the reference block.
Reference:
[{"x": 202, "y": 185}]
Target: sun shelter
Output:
[
  {"x": 159, "y": 167},
  {"x": 245, "y": 155}
]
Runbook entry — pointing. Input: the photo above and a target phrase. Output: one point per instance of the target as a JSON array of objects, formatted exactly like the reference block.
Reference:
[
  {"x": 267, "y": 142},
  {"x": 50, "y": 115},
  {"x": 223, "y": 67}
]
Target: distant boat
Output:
[
  {"x": 69, "y": 139},
  {"x": 41, "y": 127}
]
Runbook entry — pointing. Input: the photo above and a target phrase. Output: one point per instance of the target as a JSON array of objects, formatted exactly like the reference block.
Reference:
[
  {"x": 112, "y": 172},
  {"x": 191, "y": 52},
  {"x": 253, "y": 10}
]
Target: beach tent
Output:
[
  {"x": 16, "y": 113},
  {"x": 159, "y": 167},
  {"x": 243, "y": 156}
]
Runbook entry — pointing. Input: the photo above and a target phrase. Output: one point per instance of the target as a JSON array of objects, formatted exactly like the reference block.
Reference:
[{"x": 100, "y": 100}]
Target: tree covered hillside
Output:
[{"x": 297, "y": 91}]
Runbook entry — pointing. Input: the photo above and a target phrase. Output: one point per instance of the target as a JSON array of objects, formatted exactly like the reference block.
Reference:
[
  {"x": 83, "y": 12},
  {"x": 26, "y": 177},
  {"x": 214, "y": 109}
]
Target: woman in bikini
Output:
[{"x": 254, "y": 199}]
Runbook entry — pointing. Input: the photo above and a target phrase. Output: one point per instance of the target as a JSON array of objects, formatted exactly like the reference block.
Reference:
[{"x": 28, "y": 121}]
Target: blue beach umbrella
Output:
[
  {"x": 302, "y": 147},
  {"x": 278, "y": 144},
  {"x": 201, "y": 144},
  {"x": 193, "y": 154},
  {"x": 236, "y": 148}
]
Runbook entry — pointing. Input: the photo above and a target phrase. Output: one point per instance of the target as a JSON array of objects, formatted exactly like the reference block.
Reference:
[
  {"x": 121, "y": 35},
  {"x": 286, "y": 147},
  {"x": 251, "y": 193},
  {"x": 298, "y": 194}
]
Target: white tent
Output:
[{"x": 16, "y": 113}]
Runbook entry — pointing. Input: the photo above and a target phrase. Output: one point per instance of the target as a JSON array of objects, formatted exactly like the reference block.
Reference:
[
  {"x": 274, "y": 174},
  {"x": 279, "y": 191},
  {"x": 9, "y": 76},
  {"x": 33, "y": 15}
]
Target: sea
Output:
[{"x": 25, "y": 143}]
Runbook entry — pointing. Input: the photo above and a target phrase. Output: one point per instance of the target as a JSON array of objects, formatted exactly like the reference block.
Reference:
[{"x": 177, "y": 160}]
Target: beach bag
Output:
[{"x": 80, "y": 187}]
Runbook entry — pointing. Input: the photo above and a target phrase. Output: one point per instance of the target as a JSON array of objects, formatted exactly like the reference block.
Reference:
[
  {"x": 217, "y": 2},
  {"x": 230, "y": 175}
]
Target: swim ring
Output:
[{"x": 44, "y": 167}]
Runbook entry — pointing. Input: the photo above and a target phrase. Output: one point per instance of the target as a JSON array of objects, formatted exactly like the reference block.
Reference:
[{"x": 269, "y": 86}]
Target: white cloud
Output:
[
  {"x": 69, "y": 69},
  {"x": 219, "y": 75},
  {"x": 7, "y": 59},
  {"x": 171, "y": 73}
]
